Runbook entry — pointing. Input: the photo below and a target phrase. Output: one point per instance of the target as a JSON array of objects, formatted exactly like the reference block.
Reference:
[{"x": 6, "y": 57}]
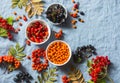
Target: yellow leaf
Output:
[
  {"x": 36, "y": 0},
  {"x": 31, "y": 12},
  {"x": 28, "y": 8}
]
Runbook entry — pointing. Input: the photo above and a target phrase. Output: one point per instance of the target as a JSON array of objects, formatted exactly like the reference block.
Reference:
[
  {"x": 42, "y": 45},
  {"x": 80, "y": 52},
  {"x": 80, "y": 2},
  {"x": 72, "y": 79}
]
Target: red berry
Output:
[{"x": 76, "y": 6}]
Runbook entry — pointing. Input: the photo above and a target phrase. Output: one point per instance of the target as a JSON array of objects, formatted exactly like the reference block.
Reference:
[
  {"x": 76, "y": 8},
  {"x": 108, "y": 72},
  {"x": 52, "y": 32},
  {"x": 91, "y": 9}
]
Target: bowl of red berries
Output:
[{"x": 38, "y": 31}]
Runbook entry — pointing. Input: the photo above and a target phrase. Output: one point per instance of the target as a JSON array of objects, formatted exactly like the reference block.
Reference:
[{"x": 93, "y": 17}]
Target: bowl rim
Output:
[
  {"x": 65, "y": 15},
  {"x": 41, "y": 20},
  {"x": 69, "y": 51}
]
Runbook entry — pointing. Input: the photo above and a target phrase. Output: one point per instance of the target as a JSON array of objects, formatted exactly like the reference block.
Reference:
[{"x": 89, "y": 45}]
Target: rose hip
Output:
[{"x": 37, "y": 32}]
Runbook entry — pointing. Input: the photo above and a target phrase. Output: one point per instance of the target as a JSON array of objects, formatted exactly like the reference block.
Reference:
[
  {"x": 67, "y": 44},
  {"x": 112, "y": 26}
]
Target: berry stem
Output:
[{"x": 110, "y": 79}]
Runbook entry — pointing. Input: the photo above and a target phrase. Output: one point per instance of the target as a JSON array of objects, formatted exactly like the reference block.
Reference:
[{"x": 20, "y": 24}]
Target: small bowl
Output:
[
  {"x": 44, "y": 23},
  {"x": 66, "y": 14},
  {"x": 66, "y": 60}
]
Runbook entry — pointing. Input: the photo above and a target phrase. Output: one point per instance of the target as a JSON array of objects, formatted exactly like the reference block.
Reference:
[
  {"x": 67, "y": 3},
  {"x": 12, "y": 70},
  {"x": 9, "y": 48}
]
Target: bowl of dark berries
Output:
[
  {"x": 38, "y": 31},
  {"x": 56, "y": 14}
]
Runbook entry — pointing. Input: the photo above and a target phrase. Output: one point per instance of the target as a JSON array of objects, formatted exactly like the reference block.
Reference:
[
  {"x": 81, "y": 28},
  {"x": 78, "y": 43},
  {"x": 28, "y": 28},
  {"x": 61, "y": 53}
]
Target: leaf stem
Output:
[{"x": 107, "y": 76}]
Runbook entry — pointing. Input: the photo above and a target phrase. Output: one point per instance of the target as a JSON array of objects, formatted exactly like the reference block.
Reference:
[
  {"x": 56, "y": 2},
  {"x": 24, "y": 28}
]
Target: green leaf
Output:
[
  {"x": 49, "y": 81},
  {"x": 3, "y": 32},
  {"x": 10, "y": 20},
  {"x": 17, "y": 46},
  {"x": 19, "y": 58},
  {"x": 45, "y": 75},
  {"x": 52, "y": 79},
  {"x": 40, "y": 79},
  {"x": 12, "y": 51},
  {"x": 89, "y": 62},
  {"x": 21, "y": 54},
  {"x": 101, "y": 81},
  {"x": 90, "y": 81},
  {"x": 20, "y": 49}
]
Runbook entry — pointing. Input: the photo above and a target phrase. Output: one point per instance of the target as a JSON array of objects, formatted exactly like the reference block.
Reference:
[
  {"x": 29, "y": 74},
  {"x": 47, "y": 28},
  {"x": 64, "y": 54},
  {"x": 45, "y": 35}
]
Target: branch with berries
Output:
[
  {"x": 6, "y": 27},
  {"x": 12, "y": 61},
  {"x": 97, "y": 69}
]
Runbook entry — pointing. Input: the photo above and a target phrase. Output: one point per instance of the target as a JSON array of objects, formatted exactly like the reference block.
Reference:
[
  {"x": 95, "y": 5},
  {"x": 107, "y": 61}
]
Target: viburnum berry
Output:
[
  {"x": 8, "y": 27},
  {"x": 99, "y": 67},
  {"x": 65, "y": 79}
]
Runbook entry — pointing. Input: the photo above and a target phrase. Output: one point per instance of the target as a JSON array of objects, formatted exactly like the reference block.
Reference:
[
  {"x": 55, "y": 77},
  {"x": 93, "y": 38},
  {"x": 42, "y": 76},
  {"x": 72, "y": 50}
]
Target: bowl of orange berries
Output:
[
  {"x": 58, "y": 53},
  {"x": 37, "y": 31}
]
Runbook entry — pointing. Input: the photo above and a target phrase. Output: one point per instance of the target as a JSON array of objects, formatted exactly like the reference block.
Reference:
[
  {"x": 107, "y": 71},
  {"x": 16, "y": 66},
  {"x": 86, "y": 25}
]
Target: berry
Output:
[
  {"x": 76, "y": 6},
  {"x": 24, "y": 18}
]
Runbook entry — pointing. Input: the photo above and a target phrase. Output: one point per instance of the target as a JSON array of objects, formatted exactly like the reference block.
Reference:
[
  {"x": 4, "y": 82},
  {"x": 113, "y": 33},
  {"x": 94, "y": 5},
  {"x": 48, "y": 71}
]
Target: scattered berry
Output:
[
  {"x": 28, "y": 42},
  {"x": 20, "y": 24},
  {"x": 76, "y": 6},
  {"x": 65, "y": 79},
  {"x": 15, "y": 13},
  {"x": 28, "y": 57},
  {"x": 19, "y": 17},
  {"x": 59, "y": 34},
  {"x": 24, "y": 18},
  {"x": 81, "y": 20},
  {"x": 73, "y": 22},
  {"x": 74, "y": 26}
]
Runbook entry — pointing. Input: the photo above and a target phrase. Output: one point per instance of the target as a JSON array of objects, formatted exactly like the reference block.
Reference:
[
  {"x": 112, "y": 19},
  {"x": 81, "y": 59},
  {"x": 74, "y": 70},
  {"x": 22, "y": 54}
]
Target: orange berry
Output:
[
  {"x": 20, "y": 24},
  {"x": 15, "y": 13}
]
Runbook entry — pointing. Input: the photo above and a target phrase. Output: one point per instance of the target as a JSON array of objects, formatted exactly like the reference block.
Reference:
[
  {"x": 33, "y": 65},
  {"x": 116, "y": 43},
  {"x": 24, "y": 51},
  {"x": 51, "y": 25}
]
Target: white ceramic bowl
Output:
[
  {"x": 65, "y": 15},
  {"x": 43, "y": 22},
  {"x": 69, "y": 51}
]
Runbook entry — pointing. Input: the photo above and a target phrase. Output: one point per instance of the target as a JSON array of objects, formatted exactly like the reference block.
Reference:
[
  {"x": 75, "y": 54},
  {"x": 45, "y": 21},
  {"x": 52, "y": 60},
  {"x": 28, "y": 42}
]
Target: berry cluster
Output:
[
  {"x": 65, "y": 79},
  {"x": 8, "y": 27},
  {"x": 84, "y": 51},
  {"x": 37, "y": 32},
  {"x": 10, "y": 59},
  {"x": 99, "y": 67},
  {"x": 23, "y": 76},
  {"x": 59, "y": 34},
  {"x": 37, "y": 62}
]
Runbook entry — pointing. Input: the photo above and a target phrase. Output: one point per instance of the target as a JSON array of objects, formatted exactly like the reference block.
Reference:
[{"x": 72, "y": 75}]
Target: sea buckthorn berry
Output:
[{"x": 58, "y": 52}]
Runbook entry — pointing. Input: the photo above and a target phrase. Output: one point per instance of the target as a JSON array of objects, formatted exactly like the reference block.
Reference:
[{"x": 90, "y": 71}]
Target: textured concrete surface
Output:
[{"x": 101, "y": 29}]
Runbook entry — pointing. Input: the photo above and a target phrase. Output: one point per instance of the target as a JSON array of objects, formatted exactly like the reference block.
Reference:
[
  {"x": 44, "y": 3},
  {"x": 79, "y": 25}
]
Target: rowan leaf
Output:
[
  {"x": 20, "y": 49},
  {"x": 12, "y": 51},
  {"x": 45, "y": 75},
  {"x": 19, "y": 58},
  {"x": 49, "y": 81},
  {"x": 40, "y": 79},
  {"x": 19, "y": 3},
  {"x": 3, "y": 32},
  {"x": 10, "y": 20},
  {"x": 21, "y": 54},
  {"x": 52, "y": 79},
  {"x": 17, "y": 46}
]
